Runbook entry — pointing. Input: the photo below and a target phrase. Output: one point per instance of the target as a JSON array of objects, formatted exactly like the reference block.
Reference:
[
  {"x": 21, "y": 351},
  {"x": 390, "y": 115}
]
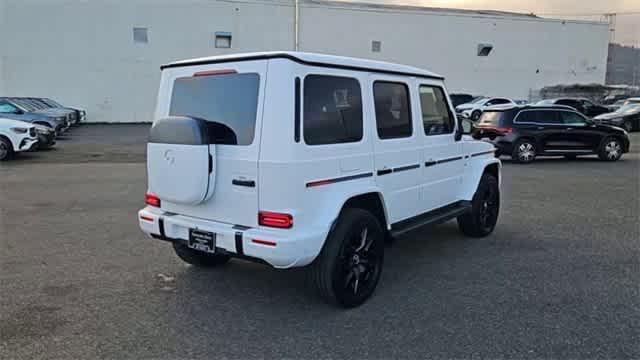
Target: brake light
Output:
[
  {"x": 151, "y": 199},
  {"x": 505, "y": 130},
  {"x": 273, "y": 219},
  {"x": 215, "y": 72}
]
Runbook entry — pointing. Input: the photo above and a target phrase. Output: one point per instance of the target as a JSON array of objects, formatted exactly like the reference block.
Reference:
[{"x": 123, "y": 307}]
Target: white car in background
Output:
[
  {"x": 474, "y": 109},
  {"x": 16, "y": 136}
]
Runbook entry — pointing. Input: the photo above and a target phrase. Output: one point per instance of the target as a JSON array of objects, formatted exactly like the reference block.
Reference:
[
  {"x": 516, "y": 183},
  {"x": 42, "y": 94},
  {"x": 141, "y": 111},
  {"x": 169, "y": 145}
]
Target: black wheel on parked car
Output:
[
  {"x": 628, "y": 126},
  {"x": 524, "y": 151},
  {"x": 485, "y": 207},
  {"x": 199, "y": 258},
  {"x": 349, "y": 266},
  {"x": 476, "y": 115},
  {"x": 6, "y": 149},
  {"x": 610, "y": 149}
]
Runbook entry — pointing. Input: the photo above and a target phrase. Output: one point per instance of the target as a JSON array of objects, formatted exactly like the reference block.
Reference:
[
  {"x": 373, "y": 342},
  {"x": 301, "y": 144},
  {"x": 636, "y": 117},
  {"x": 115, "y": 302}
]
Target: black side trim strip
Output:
[
  {"x": 298, "y": 60},
  {"x": 483, "y": 153},
  {"x": 210, "y": 164},
  {"x": 339, "y": 179},
  {"x": 405, "y": 168},
  {"x": 161, "y": 226},
  {"x": 449, "y": 159},
  {"x": 384, "y": 172},
  {"x": 296, "y": 134},
  {"x": 430, "y": 163},
  {"x": 239, "y": 249},
  {"x": 241, "y": 227},
  {"x": 247, "y": 183}
]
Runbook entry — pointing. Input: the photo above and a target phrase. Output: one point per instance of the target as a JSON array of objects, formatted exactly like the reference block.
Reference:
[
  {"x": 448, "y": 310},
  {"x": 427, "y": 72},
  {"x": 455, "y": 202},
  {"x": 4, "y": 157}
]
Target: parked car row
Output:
[
  {"x": 23, "y": 119},
  {"x": 624, "y": 113}
]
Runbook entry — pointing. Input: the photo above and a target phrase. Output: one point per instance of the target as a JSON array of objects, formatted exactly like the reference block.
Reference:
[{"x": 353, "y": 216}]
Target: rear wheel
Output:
[
  {"x": 610, "y": 150},
  {"x": 524, "y": 151},
  {"x": 6, "y": 149},
  {"x": 199, "y": 258},
  {"x": 476, "y": 115},
  {"x": 348, "y": 268},
  {"x": 485, "y": 207}
]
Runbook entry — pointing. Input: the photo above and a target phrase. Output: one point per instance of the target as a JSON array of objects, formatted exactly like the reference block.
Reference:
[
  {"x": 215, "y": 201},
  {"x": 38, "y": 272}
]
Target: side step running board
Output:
[{"x": 434, "y": 217}]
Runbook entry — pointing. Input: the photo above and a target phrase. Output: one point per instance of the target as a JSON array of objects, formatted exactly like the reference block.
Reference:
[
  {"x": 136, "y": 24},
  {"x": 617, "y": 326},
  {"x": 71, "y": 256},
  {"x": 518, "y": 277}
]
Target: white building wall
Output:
[{"x": 82, "y": 52}]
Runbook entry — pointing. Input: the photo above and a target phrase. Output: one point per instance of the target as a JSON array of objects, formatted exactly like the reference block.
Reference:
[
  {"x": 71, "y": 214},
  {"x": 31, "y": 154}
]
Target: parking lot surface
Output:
[{"x": 559, "y": 278}]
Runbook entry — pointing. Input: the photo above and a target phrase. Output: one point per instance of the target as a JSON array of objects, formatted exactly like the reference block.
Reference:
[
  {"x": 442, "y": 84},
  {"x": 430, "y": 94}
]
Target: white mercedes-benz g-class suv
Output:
[{"x": 295, "y": 159}]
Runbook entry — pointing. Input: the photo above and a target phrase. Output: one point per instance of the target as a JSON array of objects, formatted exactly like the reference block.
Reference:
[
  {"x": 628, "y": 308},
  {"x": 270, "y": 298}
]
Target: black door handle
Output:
[{"x": 247, "y": 183}]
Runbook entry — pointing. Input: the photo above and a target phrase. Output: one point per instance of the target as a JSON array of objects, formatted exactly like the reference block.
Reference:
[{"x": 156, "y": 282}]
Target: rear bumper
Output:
[{"x": 291, "y": 249}]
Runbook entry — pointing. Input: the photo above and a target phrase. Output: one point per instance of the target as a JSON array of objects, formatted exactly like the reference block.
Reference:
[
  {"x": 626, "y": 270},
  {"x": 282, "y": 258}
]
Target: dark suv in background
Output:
[
  {"x": 530, "y": 131},
  {"x": 583, "y": 106}
]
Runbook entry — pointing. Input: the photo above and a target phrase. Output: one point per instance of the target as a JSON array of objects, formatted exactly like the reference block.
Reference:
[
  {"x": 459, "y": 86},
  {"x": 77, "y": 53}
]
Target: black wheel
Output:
[
  {"x": 485, "y": 207},
  {"x": 199, "y": 258},
  {"x": 628, "y": 126},
  {"x": 476, "y": 115},
  {"x": 348, "y": 268},
  {"x": 610, "y": 149},
  {"x": 570, "y": 157},
  {"x": 6, "y": 149},
  {"x": 524, "y": 151}
]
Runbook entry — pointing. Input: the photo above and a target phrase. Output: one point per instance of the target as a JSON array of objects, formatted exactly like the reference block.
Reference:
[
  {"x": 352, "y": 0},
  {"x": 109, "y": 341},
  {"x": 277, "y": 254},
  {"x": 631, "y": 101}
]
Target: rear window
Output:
[
  {"x": 494, "y": 118},
  {"x": 229, "y": 101}
]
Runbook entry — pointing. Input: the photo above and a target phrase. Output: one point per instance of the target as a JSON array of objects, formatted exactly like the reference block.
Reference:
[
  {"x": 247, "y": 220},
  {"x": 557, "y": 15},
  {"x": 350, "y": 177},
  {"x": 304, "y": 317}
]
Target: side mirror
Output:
[{"x": 18, "y": 112}]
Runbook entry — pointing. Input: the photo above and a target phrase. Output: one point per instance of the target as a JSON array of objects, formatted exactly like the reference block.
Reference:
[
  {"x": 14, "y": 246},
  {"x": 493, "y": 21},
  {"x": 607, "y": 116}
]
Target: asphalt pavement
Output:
[{"x": 559, "y": 278}]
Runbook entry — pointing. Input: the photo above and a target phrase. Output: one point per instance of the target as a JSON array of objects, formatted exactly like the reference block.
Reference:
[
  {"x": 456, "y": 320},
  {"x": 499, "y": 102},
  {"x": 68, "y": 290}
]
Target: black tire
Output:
[
  {"x": 570, "y": 157},
  {"x": 6, "y": 149},
  {"x": 628, "y": 126},
  {"x": 476, "y": 115},
  {"x": 349, "y": 265},
  {"x": 199, "y": 258},
  {"x": 485, "y": 208},
  {"x": 524, "y": 151},
  {"x": 610, "y": 149}
]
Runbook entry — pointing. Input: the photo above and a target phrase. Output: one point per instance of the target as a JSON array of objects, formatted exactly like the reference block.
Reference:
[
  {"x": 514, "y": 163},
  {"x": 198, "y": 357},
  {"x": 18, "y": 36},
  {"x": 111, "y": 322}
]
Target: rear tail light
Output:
[
  {"x": 273, "y": 219},
  {"x": 151, "y": 199},
  {"x": 505, "y": 130},
  {"x": 263, "y": 242}
]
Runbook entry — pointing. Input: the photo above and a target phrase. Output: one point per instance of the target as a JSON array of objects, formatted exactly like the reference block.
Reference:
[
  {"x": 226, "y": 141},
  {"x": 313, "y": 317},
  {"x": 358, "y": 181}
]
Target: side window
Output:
[
  {"x": 393, "y": 115},
  {"x": 571, "y": 118},
  {"x": 499, "y": 101},
  {"x": 332, "y": 110},
  {"x": 545, "y": 117},
  {"x": 7, "y": 108},
  {"x": 436, "y": 117}
]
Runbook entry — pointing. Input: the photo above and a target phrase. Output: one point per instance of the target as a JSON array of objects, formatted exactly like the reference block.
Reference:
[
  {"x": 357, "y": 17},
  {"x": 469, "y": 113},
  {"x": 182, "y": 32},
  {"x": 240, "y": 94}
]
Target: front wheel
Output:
[
  {"x": 348, "y": 268},
  {"x": 610, "y": 150},
  {"x": 485, "y": 207},
  {"x": 6, "y": 149},
  {"x": 476, "y": 115},
  {"x": 199, "y": 258}
]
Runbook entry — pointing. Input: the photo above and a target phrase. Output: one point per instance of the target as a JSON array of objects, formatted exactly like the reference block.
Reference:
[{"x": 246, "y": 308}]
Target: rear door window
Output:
[
  {"x": 229, "y": 102},
  {"x": 541, "y": 117},
  {"x": 393, "y": 115},
  {"x": 332, "y": 110}
]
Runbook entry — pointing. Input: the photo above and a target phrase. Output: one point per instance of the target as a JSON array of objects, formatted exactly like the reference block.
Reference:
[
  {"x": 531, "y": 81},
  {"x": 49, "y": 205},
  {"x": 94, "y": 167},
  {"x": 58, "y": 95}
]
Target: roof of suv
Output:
[
  {"x": 313, "y": 59},
  {"x": 508, "y": 107}
]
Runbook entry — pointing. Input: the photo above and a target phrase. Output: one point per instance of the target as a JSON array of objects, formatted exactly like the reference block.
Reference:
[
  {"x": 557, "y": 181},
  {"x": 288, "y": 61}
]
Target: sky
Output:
[{"x": 627, "y": 25}]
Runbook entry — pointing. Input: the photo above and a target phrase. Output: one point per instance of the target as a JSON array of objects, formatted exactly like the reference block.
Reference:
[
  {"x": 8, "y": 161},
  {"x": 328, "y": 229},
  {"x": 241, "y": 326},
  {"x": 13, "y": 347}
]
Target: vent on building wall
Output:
[
  {"x": 376, "y": 46},
  {"x": 484, "y": 49},
  {"x": 140, "y": 35},
  {"x": 223, "y": 39}
]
